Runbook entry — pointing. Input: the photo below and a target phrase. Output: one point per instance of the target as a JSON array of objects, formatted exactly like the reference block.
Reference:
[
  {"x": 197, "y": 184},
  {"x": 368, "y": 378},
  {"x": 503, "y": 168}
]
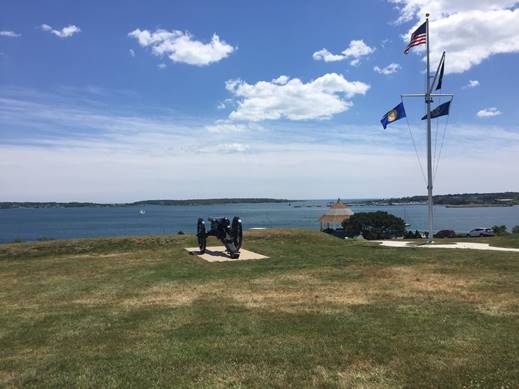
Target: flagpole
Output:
[{"x": 429, "y": 138}]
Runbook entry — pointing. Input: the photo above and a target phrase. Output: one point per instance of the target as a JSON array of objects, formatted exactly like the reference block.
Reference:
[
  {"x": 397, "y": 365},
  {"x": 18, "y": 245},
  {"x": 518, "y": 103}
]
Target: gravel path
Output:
[{"x": 456, "y": 245}]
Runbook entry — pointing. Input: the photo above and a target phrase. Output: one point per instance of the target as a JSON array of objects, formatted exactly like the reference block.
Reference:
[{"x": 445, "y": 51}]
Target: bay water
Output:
[{"x": 29, "y": 224}]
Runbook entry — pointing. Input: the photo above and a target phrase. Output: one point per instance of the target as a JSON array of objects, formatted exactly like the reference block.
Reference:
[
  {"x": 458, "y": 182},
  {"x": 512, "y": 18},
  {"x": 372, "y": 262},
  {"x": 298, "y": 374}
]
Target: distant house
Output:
[{"x": 335, "y": 215}]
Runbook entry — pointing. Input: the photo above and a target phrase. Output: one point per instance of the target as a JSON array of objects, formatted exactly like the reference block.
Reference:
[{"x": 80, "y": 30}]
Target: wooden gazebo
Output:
[{"x": 335, "y": 215}]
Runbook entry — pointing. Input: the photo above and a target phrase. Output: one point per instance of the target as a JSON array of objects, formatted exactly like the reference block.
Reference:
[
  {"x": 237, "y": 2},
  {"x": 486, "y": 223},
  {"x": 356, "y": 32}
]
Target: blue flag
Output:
[
  {"x": 442, "y": 68},
  {"x": 440, "y": 110},
  {"x": 392, "y": 116}
]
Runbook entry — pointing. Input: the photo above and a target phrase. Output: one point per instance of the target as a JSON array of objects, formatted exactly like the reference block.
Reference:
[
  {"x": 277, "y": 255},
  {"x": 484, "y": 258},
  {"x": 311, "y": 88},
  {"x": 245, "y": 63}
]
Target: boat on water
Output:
[{"x": 142, "y": 212}]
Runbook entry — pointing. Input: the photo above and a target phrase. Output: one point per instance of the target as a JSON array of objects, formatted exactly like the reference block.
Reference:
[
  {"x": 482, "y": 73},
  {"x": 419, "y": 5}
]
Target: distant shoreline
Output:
[
  {"x": 74, "y": 204},
  {"x": 461, "y": 200}
]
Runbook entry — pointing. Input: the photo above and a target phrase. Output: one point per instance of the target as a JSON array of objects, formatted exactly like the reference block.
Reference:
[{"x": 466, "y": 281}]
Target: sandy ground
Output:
[
  {"x": 456, "y": 245},
  {"x": 218, "y": 254}
]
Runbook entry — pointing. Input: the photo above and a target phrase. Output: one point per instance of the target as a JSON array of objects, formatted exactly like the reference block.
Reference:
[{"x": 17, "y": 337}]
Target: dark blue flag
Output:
[
  {"x": 392, "y": 116},
  {"x": 440, "y": 110},
  {"x": 442, "y": 68}
]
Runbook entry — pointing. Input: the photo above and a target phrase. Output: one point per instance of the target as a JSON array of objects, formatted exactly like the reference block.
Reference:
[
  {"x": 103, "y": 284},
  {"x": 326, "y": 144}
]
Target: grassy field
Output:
[{"x": 321, "y": 312}]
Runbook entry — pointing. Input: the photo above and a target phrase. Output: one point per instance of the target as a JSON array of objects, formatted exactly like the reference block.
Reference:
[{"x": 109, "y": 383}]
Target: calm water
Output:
[{"x": 62, "y": 223}]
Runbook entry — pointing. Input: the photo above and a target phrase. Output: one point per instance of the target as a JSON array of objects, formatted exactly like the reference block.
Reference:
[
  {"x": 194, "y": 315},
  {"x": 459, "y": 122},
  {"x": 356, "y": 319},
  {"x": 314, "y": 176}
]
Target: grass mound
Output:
[{"x": 320, "y": 311}]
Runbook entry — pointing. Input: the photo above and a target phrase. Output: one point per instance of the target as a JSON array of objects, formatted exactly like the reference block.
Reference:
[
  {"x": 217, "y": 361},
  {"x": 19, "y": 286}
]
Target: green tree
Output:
[
  {"x": 499, "y": 230},
  {"x": 515, "y": 230},
  {"x": 374, "y": 225}
]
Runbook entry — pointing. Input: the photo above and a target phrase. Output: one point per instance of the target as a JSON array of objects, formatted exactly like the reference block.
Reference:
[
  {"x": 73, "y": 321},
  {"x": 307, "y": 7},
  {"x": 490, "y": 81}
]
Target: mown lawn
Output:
[{"x": 321, "y": 312}]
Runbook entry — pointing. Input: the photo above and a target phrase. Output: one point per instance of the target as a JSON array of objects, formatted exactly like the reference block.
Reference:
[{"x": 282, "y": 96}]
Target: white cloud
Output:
[
  {"x": 326, "y": 56},
  {"x": 357, "y": 48},
  {"x": 389, "y": 69},
  {"x": 471, "y": 84},
  {"x": 65, "y": 32},
  {"x": 226, "y": 103},
  {"x": 488, "y": 112},
  {"x": 228, "y": 126},
  {"x": 468, "y": 30},
  {"x": 52, "y": 140},
  {"x": 227, "y": 148},
  {"x": 294, "y": 100},
  {"x": 355, "y": 51},
  {"x": 162, "y": 66},
  {"x": 181, "y": 47},
  {"x": 10, "y": 34},
  {"x": 132, "y": 52},
  {"x": 281, "y": 80}
]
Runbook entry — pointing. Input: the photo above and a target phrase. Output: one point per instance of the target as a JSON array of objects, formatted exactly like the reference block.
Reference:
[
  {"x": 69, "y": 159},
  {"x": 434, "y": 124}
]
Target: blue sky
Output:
[{"x": 120, "y": 101}]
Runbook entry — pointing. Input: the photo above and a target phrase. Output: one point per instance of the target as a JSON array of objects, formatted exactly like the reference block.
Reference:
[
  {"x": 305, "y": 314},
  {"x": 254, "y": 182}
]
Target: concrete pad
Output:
[
  {"x": 218, "y": 254},
  {"x": 456, "y": 245}
]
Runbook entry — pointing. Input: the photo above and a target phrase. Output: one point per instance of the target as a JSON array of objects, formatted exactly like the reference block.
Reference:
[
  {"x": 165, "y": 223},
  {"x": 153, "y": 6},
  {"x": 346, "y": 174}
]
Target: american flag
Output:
[{"x": 419, "y": 37}]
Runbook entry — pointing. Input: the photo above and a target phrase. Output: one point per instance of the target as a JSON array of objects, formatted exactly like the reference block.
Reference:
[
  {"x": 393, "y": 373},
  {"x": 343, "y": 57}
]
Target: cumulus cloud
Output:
[
  {"x": 355, "y": 51},
  {"x": 471, "y": 84},
  {"x": 488, "y": 112},
  {"x": 293, "y": 99},
  {"x": 470, "y": 31},
  {"x": 326, "y": 56},
  {"x": 224, "y": 104},
  {"x": 65, "y": 32},
  {"x": 10, "y": 34},
  {"x": 182, "y": 47},
  {"x": 389, "y": 69}
]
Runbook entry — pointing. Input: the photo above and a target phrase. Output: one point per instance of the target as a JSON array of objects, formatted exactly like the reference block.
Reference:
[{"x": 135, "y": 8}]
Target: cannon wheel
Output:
[
  {"x": 200, "y": 234},
  {"x": 237, "y": 231}
]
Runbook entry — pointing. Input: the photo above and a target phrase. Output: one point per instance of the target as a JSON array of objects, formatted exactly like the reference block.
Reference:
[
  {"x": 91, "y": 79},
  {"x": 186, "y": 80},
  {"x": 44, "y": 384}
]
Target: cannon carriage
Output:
[{"x": 229, "y": 233}]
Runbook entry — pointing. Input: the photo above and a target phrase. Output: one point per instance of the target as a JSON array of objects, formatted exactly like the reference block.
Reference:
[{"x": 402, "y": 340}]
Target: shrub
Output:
[
  {"x": 374, "y": 225},
  {"x": 499, "y": 230},
  {"x": 180, "y": 232},
  {"x": 515, "y": 230}
]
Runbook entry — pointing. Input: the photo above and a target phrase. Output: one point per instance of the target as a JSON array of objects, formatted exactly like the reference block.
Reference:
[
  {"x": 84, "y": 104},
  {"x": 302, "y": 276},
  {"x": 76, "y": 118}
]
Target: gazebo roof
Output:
[{"x": 339, "y": 210}]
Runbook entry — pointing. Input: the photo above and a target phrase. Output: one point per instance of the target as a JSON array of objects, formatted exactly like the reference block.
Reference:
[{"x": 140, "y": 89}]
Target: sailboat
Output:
[
  {"x": 405, "y": 218},
  {"x": 418, "y": 37}
]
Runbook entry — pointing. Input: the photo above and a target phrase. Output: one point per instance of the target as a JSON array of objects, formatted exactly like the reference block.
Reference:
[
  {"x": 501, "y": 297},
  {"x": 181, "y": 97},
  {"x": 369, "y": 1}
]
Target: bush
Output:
[
  {"x": 180, "y": 232},
  {"x": 374, "y": 225},
  {"x": 499, "y": 230}
]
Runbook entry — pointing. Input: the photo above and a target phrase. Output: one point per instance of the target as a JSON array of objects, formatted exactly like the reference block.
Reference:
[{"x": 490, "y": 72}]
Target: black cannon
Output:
[{"x": 231, "y": 234}]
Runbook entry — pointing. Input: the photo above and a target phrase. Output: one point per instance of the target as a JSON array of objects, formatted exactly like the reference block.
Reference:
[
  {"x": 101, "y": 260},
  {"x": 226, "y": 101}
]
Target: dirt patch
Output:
[
  {"x": 318, "y": 291},
  {"x": 423, "y": 278},
  {"x": 167, "y": 294}
]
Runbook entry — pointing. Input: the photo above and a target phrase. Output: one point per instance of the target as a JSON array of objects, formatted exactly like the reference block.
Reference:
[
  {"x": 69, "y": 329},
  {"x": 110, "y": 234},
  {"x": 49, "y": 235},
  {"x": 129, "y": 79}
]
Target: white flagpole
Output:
[{"x": 429, "y": 137}]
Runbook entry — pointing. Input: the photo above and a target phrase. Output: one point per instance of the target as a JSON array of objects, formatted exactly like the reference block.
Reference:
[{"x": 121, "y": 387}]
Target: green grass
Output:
[{"x": 320, "y": 312}]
